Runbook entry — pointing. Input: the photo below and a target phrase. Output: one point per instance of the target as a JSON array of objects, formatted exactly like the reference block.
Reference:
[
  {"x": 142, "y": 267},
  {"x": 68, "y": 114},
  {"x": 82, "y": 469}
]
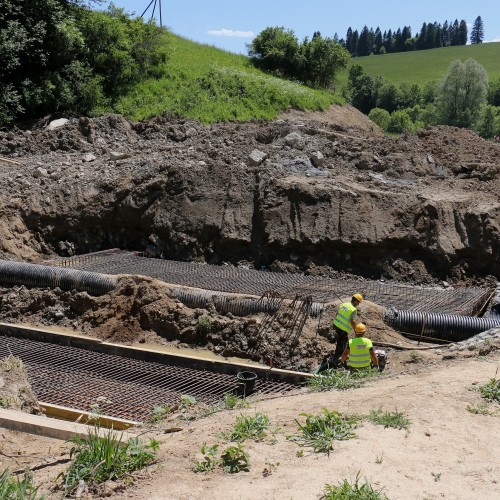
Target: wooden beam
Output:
[
  {"x": 48, "y": 427},
  {"x": 81, "y": 416}
]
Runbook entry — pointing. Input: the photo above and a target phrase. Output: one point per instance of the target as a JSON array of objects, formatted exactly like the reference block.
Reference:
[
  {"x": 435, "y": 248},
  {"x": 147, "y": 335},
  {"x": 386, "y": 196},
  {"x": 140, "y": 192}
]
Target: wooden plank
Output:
[
  {"x": 81, "y": 416},
  {"x": 49, "y": 427}
]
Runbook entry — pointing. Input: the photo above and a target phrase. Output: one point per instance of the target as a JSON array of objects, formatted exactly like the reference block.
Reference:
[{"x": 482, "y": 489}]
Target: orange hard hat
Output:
[{"x": 360, "y": 328}]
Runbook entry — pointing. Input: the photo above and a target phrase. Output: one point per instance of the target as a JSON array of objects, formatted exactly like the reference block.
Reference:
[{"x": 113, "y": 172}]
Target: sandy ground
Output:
[{"x": 447, "y": 452}]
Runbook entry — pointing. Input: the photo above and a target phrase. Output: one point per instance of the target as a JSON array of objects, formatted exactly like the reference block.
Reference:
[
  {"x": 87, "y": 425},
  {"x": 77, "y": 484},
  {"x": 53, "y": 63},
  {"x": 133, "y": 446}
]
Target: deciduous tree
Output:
[{"x": 462, "y": 93}]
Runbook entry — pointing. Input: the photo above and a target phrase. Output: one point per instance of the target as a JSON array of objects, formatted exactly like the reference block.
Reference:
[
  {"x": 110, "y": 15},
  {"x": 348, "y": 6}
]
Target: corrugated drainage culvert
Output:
[
  {"x": 446, "y": 327},
  {"x": 126, "y": 388}
]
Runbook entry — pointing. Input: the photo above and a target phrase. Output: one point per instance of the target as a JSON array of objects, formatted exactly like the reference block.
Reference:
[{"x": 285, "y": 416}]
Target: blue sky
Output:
[{"x": 231, "y": 24}]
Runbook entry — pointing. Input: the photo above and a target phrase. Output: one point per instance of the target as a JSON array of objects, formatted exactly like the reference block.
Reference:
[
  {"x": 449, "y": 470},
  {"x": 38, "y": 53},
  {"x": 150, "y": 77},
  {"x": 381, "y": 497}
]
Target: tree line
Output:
[
  {"x": 431, "y": 36},
  {"x": 60, "y": 56}
]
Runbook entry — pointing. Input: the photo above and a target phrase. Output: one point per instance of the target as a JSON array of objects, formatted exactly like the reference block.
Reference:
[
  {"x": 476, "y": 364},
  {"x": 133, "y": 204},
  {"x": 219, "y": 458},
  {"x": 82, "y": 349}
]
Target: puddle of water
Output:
[{"x": 55, "y": 329}]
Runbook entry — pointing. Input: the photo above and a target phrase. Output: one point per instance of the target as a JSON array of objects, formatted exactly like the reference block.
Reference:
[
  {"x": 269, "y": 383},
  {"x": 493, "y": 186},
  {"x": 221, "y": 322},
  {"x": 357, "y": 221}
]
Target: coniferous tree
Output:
[
  {"x": 455, "y": 34},
  {"x": 354, "y": 43},
  {"x": 364, "y": 42},
  {"x": 422, "y": 37},
  {"x": 388, "y": 42},
  {"x": 445, "y": 35},
  {"x": 377, "y": 41},
  {"x": 477, "y": 32},
  {"x": 348, "y": 39},
  {"x": 462, "y": 33}
]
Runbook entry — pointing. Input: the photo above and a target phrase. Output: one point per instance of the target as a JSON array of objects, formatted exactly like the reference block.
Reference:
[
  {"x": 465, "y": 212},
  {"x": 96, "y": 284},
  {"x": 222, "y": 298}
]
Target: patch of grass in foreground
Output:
[
  {"x": 102, "y": 456},
  {"x": 320, "y": 431},
  {"x": 491, "y": 390},
  {"x": 396, "y": 419},
  {"x": 247, "y": 427},
  {"x": 348, "y": 491},
  {"x": 15, "y": 488},
  {"x": 340, "y": 379}
]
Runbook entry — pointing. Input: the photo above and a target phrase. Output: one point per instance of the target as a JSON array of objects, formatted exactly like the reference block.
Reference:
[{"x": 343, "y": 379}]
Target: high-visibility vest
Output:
[
  {"x": 359, "y": 352},
  {"x": 343, "y": 318}
]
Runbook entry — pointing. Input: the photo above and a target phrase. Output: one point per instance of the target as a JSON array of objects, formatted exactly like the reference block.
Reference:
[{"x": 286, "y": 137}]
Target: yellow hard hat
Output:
[
  {"x": 358, "y": 297},
  {"x": 360, "y": 328}
]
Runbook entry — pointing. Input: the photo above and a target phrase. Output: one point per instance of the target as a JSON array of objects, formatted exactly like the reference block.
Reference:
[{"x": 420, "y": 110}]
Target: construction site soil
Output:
[
  {"x": 318, "y": 193},
  {"x": 321, "y": 193}
]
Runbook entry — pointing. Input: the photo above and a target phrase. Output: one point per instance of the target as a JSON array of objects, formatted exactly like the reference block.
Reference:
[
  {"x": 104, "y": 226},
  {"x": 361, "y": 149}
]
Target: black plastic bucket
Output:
[{"x": 246, "y": 381}]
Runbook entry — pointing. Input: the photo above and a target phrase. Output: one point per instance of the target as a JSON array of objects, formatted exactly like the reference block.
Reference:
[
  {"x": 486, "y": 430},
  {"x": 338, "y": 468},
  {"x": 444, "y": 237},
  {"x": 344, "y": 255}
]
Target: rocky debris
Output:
[
  {"x": 295, "y": 140},
  {"x": 483, "y": 343},
  {"x": 89, "y": 157},
  {"x": 256, "y": 157},
  {"x": 57, "y": 123},
  {"x": 317, "y": 158},
  {"x": 115, "y": 156}
]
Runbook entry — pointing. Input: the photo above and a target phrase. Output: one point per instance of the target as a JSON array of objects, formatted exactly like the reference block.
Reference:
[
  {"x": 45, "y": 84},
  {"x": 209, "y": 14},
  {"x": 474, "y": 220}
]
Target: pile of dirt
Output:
[
  {"x": 145, "y": 310},
  {"x": 307, "y": 192},
  {"x": 15, "y": 388}
]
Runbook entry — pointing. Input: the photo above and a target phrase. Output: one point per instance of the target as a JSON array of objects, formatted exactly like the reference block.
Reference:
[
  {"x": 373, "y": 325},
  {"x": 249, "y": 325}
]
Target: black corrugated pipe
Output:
[
  {"x": 235, "y": 305},
  {"x": 35, "y": 275},
  {"x": 450, "y": 327}
]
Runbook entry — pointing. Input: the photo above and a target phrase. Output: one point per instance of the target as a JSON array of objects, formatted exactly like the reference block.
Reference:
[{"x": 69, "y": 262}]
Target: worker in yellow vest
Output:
[
  {"x": 347, "y": 318},
  {"x": 360, "y": 350}
]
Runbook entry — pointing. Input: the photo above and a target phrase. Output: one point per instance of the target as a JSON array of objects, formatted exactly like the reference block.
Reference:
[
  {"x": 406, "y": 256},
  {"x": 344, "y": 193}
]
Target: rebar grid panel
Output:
[
  {"x": 230, "y": 279},
  {"x": 123, "y": 387}
]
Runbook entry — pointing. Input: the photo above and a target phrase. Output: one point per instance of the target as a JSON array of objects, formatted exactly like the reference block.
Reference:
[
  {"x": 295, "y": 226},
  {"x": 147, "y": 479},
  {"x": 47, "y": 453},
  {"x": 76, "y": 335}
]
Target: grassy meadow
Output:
[
  {"x": 426, "y": 65},
  {"x": 211, "y": 85}
]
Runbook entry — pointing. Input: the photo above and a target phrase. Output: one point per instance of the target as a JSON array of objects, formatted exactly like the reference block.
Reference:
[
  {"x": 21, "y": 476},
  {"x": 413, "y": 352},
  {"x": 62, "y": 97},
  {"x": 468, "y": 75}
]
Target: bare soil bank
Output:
[{"x": 326, "y": 194}]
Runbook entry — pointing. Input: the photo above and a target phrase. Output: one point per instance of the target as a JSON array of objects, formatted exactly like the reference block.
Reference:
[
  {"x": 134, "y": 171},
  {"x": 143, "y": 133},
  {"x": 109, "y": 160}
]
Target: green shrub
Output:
[
  {"x": 247, "y": 427},
  {"x": 14, "y": 488},
  {"x": 491, "y": 390},
  {"x": 159, "y": 413},
  {"x": 380, "y": 117},
  {"x": 232, "y": 401},
  {"x": 320, "y": 431},
  {"x": 202, "y": 326},
  {"x": 209, "y": 461},
  {"x": 348, "y": 491},
  {"x": 340, "y": 379},
  {"x": 235, "y": 459},
  {"x": 99, "y": 457},
  {"x": 395, "y": 419},
  {"x": 399, "y": 121}
]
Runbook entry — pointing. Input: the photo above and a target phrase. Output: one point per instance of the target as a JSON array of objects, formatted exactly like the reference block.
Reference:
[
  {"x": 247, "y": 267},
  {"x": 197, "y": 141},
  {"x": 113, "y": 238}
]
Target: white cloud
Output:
[
  {"x": 231, "y": 33},
  {"x": 494, "y": 40}
]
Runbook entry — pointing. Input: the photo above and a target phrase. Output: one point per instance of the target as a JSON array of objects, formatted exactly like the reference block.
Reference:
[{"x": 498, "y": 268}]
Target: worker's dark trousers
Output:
[{"x": 342, "y": 342}]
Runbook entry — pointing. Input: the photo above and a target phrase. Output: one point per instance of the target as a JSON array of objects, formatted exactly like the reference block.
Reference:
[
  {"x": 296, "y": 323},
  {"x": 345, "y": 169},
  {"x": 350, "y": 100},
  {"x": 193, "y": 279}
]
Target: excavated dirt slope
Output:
[
  {"x": 327, "y": 192},
  {"x": 143, "y": 310}
]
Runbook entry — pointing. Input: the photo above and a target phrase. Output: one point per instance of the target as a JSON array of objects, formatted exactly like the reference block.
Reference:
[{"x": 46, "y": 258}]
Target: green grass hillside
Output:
[
  {"x": 211, "y": 85},
  {"x": 425, "y": 65}
]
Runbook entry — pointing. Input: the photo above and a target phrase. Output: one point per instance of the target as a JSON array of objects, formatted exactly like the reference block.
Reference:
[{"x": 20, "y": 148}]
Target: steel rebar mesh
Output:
[
  {"x": 230, "y": 279},
  {"x": 77, "y": 378}
]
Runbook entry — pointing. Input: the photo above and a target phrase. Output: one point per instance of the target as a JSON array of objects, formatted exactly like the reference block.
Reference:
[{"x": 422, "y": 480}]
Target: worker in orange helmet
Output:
[{"x": 360, "y": 350}]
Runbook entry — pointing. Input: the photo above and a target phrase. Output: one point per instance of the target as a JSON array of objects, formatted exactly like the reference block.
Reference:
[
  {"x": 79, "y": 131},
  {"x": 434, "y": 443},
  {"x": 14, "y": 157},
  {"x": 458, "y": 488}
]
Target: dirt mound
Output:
[
  {"x": 144, "y": 310},
  {"x": 15, "y": 388},
  {"x": 306, "y": 192}
]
